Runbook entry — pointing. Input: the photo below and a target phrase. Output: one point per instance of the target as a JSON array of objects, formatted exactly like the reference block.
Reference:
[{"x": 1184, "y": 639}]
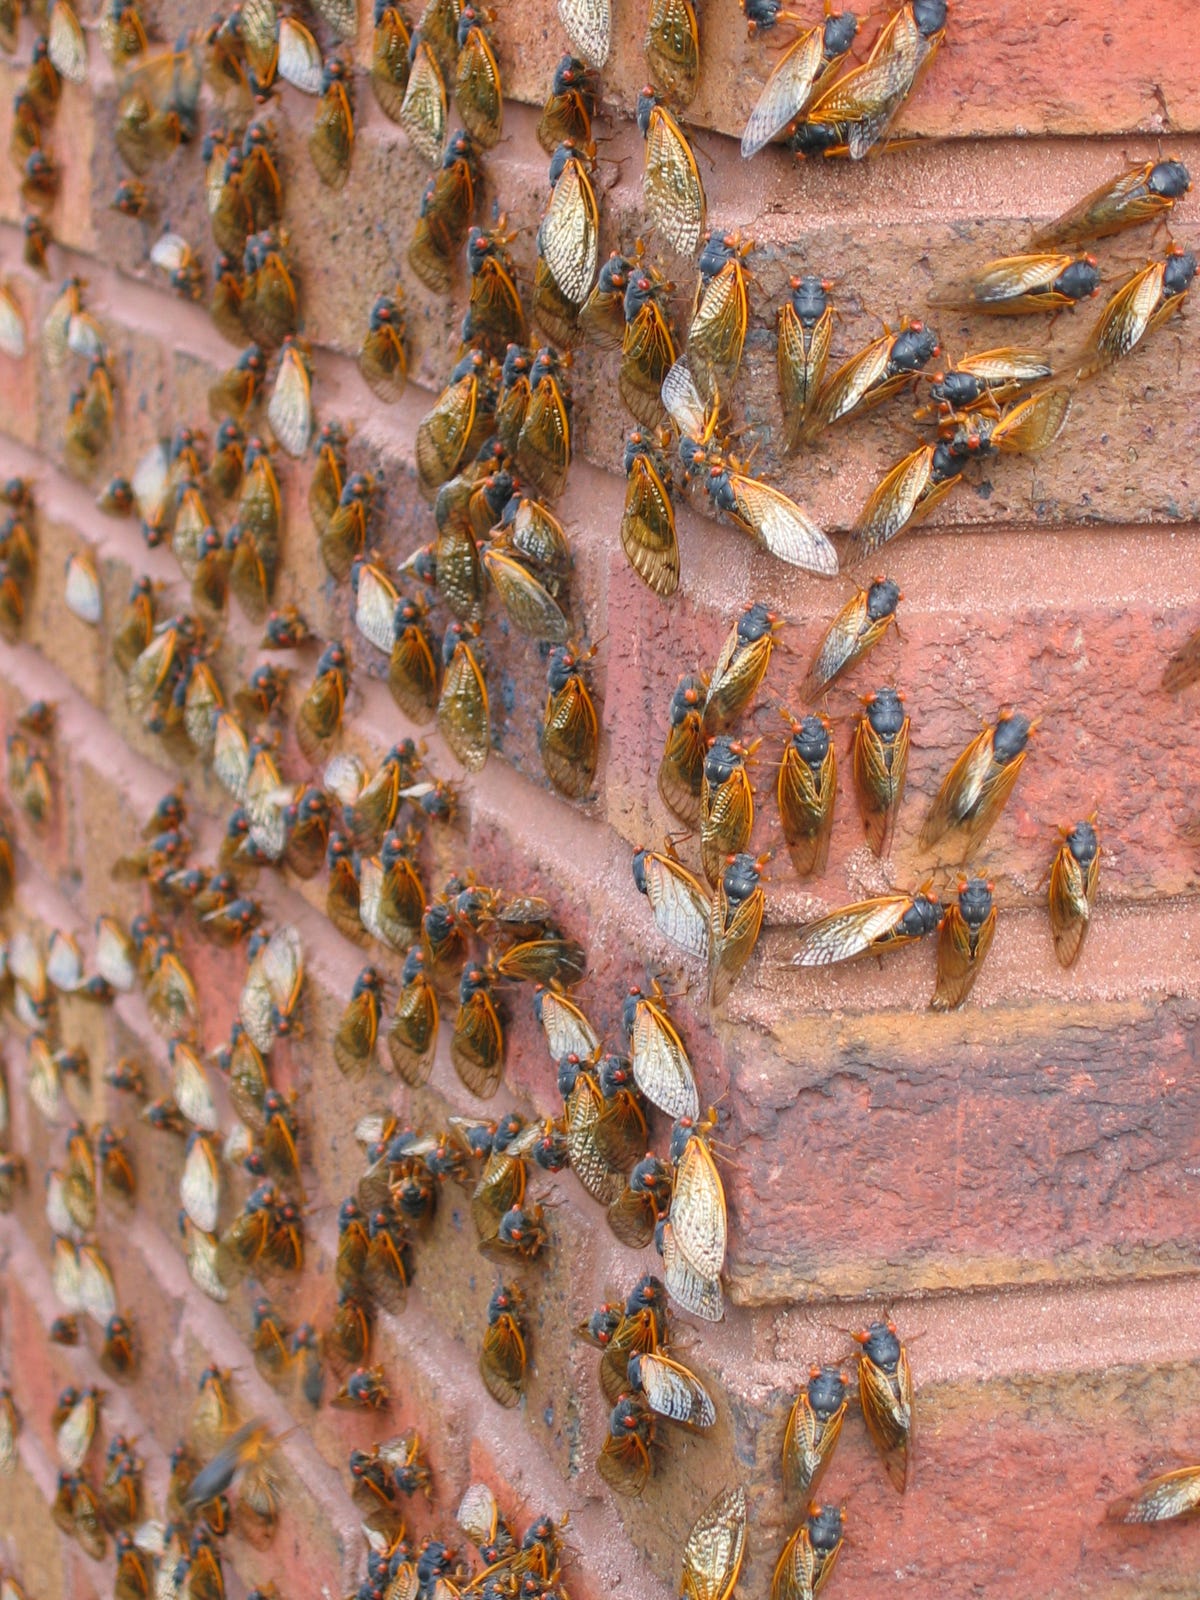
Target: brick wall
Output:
[{"x": 1015, "y": 1182}]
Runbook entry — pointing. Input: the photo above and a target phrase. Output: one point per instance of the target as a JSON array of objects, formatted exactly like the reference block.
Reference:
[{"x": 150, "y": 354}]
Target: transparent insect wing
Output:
[
  {"x": 902, "y": 497},
  {"x": 672, "y": 191},
  {"x": 569, "y": 236},
  {"x": 697, "y": 1216},
  {"x": 648, "y": 527},
  {"x": 674, "y": 1392},
  {"x": 672, "y": 48},
  {"x": 422, "y": 112},
  {"x": 300, "y": 60},
  {"x": 786, "y": 93},
  {"x": 715, "y": 1548},
  {"x": 661, "y": 1068},
  {"x": 588, "y": 24},
  {"x": 851, "y": 932},
  {"x": 781, "y": 526},
  {"x": 1172, "y": 1494},
  {"x": 289, "y": 410},
  {"x": 679, "y": 903}
]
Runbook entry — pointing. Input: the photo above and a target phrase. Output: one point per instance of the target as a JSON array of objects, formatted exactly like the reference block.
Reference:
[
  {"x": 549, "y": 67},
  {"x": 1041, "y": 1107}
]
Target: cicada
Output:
[
  {"x": 647, "y": 348},
  {"x": 809, "y": 1556},
  {"x": 589, "y": 28},
  {"x": 870, "y": 927},
  {"x": 661, "y": 1068},
  {"x": 344, "y": 536},
  {"x": 272, "y": 988},
  {"x": 570, "y": 726},
  {"x": 462, "y": 708},
  {"x": 331, "y": 142},
  {"x": 802, "y": 349},
  {"x": 741, "y": 666},
  {"x": 885, "y": 1392},
  {"x": 886, "y": 366},
  {"x": 568, "y": 237},
  {"x": 643, "y": 1203},
  {"x": 681, "y": 770},
  {"x": 720, "y": 313},
  {"x": 735, "y": 921},
  {"x": 603, "y": 314},
  {"x": 1140, "y": 305},
  {"x": 1170, "y": 1495},
  {"x": 1074, "y": 876},
  {"x": 648, "y": 519},
  {"x": 477, "y": 88},
  {"x": 678, "y": 901},
  {"x": 856, "y": 629},
  {"x": 570, "y": 106},
  {"x": 861, "y": 105},
  {"x": 726, "y": 804},
  {"x": 544, "y": 443},
  {"x": 389, "y": 59},
  {"x": 977, "y": 787},
  {"x": 806, "y": 789},
  {"x": 358, "y": 1030},
  {"x": 964, "y": 939},
  {"x": 625, "y": 1461},
  {"x": 270, "y": 304},
  {"x": 905, "y": 496},
  {"x": 422, "y": 110},
  {"x": 799, "y": 75},
  {"x": 880, "y": 764},
  {"x": 986, "y": 379},
  {"x": 456, "y": 425},
  {"x": 715, "y": 1548},
  {"x": 1014, "y": 285},
  {"x": 672, "y": 48},
  {"x": 814, "y": 1426},
  {"x": 672, "y": 192},
  {"x": 412, "y": 1034},
  {"x": 495, "y": 315},
  {"x": 319, "y": 715},
  {"x": 381, "y": 358},
  {"x": 503, "y": 1358},
  {"x": 477, "y": 1044},
  {"x": 1145, "y": 193},
  {"x": 447, "y": 203}
]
